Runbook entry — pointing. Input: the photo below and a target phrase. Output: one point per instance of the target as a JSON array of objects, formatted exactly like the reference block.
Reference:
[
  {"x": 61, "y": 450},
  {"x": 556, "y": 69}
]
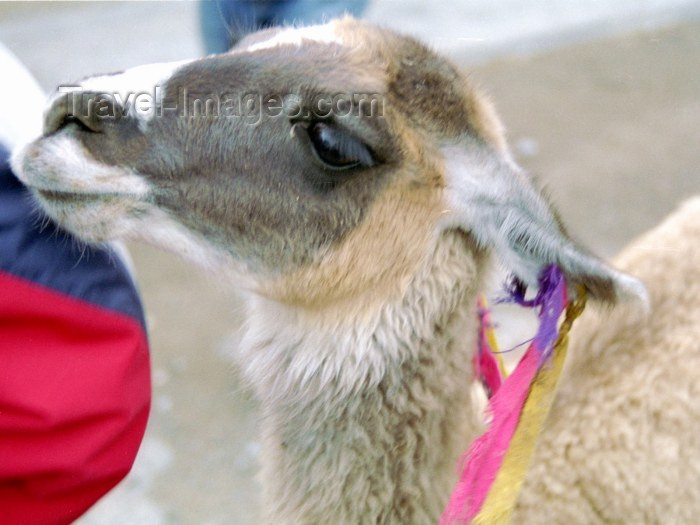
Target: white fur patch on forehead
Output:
[
  {"x": 140, "y": 79},
  {"x": 61, "y": 164},
  {"x": 138, "y": 90},
  {"x": 325, "y": 34}
]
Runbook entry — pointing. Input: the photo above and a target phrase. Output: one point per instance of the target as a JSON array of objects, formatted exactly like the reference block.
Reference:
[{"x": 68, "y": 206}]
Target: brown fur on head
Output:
[{"x": 254, "y": 196}]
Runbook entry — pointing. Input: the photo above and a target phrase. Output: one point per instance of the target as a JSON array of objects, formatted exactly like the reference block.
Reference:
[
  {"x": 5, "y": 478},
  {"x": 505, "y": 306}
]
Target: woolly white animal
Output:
[
  {"x": 354, "y": 186},
  {"x": 622, "y": 443}
]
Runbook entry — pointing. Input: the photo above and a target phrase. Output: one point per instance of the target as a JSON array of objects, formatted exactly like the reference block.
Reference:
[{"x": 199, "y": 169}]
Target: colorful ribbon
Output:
[{"x": 496, "y": 462}]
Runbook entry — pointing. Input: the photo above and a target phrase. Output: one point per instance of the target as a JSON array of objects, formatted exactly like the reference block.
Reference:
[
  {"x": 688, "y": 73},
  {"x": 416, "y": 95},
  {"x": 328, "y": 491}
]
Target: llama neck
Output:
[{"x": 366, "y": 415}]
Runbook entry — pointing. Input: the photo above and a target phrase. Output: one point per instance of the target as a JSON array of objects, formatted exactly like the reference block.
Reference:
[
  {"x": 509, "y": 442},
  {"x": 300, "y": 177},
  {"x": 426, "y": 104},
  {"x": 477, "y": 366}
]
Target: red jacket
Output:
[{"x": 74, "y": 368}]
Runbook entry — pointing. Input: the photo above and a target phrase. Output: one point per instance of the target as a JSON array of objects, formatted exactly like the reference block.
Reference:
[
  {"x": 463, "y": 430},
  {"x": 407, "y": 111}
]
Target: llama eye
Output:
[{"x": 337, "y": 148}]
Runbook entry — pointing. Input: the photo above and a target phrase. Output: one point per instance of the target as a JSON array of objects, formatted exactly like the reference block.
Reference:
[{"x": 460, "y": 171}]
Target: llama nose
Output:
[{"x": 89, "y": 110}]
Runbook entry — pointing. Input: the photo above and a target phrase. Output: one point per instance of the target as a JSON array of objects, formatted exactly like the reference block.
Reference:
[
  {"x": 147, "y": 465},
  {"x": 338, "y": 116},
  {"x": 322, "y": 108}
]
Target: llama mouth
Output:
[{"x": 67, "y": 197}]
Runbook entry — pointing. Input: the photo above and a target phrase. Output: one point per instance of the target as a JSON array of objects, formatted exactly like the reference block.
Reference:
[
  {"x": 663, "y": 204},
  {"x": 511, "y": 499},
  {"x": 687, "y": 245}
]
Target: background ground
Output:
[{"x": 600, "y": 100}]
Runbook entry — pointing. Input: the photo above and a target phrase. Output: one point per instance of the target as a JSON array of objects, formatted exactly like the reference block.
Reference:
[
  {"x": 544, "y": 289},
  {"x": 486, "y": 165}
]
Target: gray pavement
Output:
[{"x": 600, "y": 102}]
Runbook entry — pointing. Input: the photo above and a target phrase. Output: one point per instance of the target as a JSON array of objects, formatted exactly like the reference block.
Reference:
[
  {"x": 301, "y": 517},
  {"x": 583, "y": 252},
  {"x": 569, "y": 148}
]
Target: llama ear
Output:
[{"x": 496, "y": 202}]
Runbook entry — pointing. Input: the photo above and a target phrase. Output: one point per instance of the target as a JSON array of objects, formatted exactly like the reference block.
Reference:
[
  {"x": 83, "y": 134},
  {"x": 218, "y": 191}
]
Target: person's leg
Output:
[
  {"x": 308, "y": 12},
  {"x": 225, "y": 22}
]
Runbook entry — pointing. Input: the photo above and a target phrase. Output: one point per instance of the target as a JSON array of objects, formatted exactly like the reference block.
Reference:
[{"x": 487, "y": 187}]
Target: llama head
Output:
[{"x": 312, "y": 163}]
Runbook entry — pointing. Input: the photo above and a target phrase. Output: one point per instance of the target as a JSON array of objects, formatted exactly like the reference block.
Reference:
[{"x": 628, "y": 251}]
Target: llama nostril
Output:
[{"x": 86, "y": 109}]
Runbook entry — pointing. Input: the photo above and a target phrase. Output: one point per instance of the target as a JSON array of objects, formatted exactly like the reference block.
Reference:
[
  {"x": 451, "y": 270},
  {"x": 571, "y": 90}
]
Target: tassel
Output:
[
  {"x": 488, "y": 364},
  {"x": 496, "y": 462}
]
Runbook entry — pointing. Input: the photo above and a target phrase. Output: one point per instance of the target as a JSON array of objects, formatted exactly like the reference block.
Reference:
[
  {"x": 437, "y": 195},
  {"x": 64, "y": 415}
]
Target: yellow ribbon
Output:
[{"x": 502, "y": 496}]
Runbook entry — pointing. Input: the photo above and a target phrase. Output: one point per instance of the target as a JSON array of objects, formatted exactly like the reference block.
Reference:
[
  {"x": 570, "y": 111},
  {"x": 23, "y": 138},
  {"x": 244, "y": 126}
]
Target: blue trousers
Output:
[{"x": 225, "y": 22}]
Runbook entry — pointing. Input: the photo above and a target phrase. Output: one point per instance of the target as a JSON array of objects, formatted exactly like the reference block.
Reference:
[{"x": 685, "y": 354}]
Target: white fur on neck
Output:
[
  {"x": 348, "y": 400},
  {"x": 287, "y": 350}
]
